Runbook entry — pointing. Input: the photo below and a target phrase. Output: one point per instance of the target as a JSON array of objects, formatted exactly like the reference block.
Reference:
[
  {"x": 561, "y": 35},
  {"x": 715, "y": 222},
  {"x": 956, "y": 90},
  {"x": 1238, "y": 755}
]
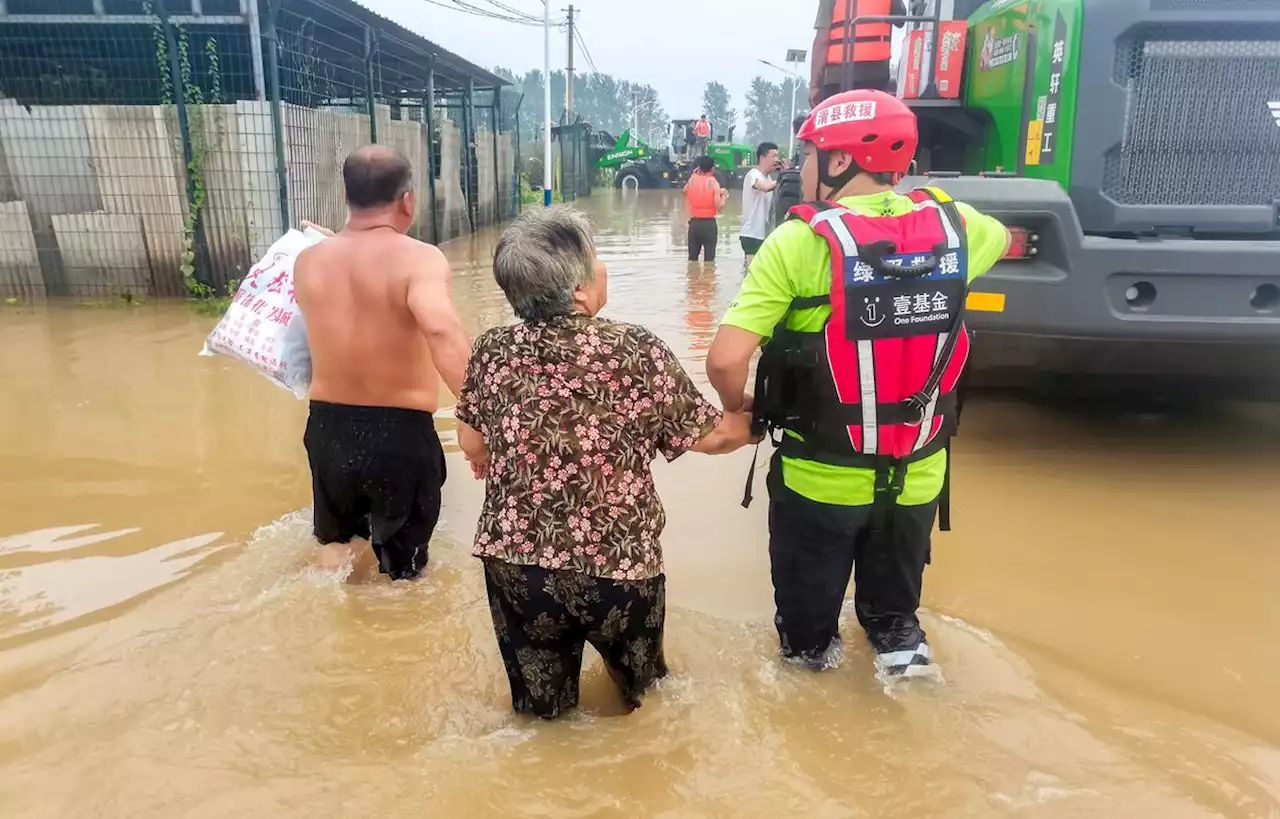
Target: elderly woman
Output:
[{"x": 563, "y": 414}]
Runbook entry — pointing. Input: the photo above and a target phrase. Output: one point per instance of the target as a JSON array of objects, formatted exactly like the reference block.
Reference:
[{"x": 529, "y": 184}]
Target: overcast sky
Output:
[{"x": 677, "y": 46}]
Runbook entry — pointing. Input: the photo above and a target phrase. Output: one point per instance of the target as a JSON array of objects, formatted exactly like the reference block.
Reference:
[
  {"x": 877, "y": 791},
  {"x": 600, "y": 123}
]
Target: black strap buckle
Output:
[{"x": 917, "y": 403}]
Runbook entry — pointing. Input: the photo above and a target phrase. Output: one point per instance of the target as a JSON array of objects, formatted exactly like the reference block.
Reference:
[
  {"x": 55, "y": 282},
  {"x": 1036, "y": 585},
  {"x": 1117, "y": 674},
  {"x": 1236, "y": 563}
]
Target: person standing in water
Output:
[
  {"x": 562, "y": 414},
  {"x": 704, "y": 198},
  {"x": 383, "y": 333},
  {"x": 861, "y": 296},
  {"x": 757, "y": 199}
]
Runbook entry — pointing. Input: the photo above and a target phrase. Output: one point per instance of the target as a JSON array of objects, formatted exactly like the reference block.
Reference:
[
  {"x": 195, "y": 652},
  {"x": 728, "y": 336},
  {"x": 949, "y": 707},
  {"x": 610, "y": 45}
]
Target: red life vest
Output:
[
  {"x": 876, "y": 387},
  {"x": 702, "y": 128},
  {"x": 701, "y": 194},
  {"x": 871, "y": 42}
]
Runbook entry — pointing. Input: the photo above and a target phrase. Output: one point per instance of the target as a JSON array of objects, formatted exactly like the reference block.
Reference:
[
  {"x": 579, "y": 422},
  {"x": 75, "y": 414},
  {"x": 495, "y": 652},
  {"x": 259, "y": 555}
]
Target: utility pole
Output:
[
  {"x": 568, "y": 76},
  {"x": 546, "y": 104}
]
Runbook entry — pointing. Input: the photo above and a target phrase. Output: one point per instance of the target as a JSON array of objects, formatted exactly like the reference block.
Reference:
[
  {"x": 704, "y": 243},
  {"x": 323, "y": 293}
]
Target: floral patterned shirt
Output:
[{"x": 573, "y": 411}]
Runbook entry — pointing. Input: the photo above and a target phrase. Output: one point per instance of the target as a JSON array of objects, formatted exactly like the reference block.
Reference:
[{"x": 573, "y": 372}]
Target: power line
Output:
[
  {"x": 586, "y": 52},
  {"x": 512, "y": 10},
  {"x": 479, "y": 12}
]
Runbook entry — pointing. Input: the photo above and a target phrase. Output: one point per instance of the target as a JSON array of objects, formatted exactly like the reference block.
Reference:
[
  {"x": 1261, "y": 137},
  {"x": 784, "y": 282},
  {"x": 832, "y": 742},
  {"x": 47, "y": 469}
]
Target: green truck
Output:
[
  {"x": 1133, "y": 147},
  {"x": 639, "y": 165}
]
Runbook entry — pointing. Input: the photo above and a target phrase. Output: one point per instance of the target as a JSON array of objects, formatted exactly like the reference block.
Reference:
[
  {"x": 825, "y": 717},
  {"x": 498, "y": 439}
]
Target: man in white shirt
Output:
[{"x": 757, "y": 199}]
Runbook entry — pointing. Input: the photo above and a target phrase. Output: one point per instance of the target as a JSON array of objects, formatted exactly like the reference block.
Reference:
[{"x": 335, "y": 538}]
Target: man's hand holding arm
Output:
[
  {"x": 764, "y": 183},
  {"x": 731, "y": 434},
  {"x": 432, "y": 305}
]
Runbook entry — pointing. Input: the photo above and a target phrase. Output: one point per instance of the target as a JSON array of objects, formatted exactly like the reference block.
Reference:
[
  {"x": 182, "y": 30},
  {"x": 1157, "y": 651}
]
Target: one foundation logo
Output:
[
  {"x": 872, "y": 317},
  {"x": 998, "y": 51}
]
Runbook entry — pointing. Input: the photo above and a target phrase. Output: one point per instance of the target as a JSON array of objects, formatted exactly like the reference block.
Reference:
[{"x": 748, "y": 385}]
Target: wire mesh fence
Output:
[
  {"x": 157, "y": 147},
  {"x": 575, "y": 160}
]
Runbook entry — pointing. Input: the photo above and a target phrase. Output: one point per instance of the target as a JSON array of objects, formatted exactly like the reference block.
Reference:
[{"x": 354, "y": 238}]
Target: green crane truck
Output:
[
  {"x": 1133, "y": 148},
  {"x": 639, "y": 165}
]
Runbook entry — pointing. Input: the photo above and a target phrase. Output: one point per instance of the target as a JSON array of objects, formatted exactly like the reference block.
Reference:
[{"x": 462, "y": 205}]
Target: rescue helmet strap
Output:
[{"x": 838, "y": 181}]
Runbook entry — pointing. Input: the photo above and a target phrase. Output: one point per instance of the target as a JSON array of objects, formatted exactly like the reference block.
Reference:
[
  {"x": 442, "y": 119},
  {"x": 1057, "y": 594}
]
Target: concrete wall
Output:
[{"x": 93, "y": 198}]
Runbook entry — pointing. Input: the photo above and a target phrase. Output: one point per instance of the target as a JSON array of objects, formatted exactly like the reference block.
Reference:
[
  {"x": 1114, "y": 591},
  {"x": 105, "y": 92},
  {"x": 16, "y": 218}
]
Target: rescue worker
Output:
[
  {"x": 701, "y": 136},
  {"x": 704, "y": 198},
  {"x": 860, "y": 296},
  {"x": 870, "y": 48}
]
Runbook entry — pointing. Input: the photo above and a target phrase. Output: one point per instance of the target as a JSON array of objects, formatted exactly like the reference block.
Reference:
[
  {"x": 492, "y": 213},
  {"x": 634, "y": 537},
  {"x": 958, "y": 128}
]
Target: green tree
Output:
[
  {"x": 769, "y": 109},
  {"x": 715, "y": 104},
  {"x": 600, "y": 99}
]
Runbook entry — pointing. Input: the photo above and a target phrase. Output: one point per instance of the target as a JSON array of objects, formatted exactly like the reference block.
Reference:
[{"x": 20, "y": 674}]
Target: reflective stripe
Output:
[
  {"x": 867, "y": 377},
  {"x": 832, "y": 215},
  {"x": 926, "y": 422},
  {"x": 866, "y": 349}
]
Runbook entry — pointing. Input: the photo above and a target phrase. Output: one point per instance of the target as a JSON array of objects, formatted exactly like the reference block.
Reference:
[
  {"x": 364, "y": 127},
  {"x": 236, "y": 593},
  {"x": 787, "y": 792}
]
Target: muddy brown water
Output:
[{"x": 1105, "y": 612}]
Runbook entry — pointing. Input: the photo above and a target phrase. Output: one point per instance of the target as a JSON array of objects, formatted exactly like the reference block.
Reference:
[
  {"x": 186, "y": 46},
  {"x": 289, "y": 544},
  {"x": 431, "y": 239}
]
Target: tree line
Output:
[{"x": 606, "y": 102}]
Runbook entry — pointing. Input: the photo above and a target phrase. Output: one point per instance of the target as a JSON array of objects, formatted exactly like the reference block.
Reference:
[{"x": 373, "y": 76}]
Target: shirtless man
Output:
[{"x": 383, "y": 333}]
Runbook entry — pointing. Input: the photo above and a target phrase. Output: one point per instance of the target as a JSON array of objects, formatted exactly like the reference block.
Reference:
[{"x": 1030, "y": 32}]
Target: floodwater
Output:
[{"x": 1105, "y": 612}]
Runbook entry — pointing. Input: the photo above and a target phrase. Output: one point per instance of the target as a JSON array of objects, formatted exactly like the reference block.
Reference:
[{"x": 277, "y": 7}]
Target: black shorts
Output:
[
  {"x": 750, "y": 246},
  {"x": 376, "y": 473},
  {"x": 543, "y": 618},
  {"x": 703, "y": 234}
]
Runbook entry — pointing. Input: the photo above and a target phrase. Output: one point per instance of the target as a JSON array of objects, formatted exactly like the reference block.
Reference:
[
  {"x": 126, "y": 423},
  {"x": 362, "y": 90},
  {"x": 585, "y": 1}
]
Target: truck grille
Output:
[{"x": 1198, "y": 126}]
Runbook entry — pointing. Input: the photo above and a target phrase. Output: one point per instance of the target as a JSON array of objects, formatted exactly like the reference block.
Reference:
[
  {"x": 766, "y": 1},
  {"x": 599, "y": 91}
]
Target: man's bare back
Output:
[
  {"x": 383, "y": 333},
  {"x": 374, "y": 301}
]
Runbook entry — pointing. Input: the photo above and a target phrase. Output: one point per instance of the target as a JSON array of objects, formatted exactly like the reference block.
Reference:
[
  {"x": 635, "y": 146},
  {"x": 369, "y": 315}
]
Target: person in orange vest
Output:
[
  {"x": 701, "y": 135},
  {"x": 870, "y": 47},
  {"x": 704, "y": 198}
]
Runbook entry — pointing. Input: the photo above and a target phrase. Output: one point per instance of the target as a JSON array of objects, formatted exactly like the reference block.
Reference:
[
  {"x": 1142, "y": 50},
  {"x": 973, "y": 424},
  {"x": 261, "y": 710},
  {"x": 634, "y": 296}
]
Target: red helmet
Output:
[{"x": 876, "y": 128}]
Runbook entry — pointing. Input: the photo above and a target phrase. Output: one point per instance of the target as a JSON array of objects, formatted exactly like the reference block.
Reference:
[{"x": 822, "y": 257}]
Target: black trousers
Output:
[
  {"x": 544, "y": 617},
  {"x": 703, "y": 235},
  {"x": 813, "y": 548}
]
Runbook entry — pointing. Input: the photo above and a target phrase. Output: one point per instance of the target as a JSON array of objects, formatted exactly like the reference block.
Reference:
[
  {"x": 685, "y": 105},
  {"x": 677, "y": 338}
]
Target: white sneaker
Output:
[{"x": 910, "y": 662}]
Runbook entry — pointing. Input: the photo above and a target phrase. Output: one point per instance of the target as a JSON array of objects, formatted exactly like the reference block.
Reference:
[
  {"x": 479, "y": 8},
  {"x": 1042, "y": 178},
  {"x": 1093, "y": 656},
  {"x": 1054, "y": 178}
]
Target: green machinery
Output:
[
  {"x": 639, "y": 165},
  {"x": 1133, "y": 149}
]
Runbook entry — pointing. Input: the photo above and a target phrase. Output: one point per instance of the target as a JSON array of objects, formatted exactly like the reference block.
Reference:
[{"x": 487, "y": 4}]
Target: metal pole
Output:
[
  {"x": 428, "y": 120},
  {"x": 469, "y": 151},
  {"x": 277, "y": 114},
  {"x": 568, "y": 77},
  {"x": 795, "y": 86},
  {"x": 519, "y": 164},
  {"x": 184, "y": 130},
  {"x": 249, "y": 8},
  {"x": 546, "y": 104},
  {"x": 368, "y": 84},
  {"x": 497, "y": 188}
]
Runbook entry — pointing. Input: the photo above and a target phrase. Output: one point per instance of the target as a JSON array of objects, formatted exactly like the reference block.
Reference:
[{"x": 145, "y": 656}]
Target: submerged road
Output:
[{"x": 1105, "y": 611}]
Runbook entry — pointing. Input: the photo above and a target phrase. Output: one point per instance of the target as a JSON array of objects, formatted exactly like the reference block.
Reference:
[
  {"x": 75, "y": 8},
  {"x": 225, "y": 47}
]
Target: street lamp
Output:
[{"x": 795, "y": 87}]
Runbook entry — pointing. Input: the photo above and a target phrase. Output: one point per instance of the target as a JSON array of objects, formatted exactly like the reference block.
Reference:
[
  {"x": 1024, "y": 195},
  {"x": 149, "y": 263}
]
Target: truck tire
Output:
[
  {"x": 789, "y": 193},
  {"x": 630, "y": 180}
]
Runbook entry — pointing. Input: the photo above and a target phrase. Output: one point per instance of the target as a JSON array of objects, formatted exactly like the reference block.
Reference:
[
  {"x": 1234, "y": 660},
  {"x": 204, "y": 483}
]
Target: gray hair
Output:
[{"x": 541, "y": 258}]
